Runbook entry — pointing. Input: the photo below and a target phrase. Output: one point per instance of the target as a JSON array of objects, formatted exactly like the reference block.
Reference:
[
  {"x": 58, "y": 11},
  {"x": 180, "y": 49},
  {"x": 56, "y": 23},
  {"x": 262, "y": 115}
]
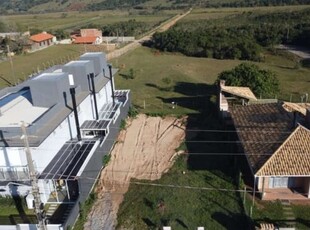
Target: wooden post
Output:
[{"x": 144, "y": 104}]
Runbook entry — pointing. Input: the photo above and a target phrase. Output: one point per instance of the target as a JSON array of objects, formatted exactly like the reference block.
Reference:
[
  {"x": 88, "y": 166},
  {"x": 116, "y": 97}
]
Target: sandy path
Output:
[
  {"x": 137, "y": 43},
  {"x": 145, "y": 150}
]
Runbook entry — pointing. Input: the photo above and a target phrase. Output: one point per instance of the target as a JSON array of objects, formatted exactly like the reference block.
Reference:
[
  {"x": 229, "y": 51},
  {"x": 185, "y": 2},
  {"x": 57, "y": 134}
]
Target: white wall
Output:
[
  {"x": 9, "y": 156},
  {"x": 42, "y": 155}
]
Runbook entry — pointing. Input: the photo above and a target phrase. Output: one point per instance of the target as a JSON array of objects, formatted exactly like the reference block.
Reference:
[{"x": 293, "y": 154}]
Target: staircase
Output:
[{"x": 288, "y": 214}]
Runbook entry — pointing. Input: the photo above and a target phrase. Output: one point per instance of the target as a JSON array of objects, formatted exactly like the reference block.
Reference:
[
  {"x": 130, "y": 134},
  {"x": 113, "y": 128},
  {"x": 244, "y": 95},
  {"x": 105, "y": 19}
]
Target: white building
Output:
[{"x": 66, "y": 149}]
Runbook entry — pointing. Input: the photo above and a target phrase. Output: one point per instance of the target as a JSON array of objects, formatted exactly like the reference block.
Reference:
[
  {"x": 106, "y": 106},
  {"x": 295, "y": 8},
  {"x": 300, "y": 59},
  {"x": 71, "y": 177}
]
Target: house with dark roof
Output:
[
  {"x": 275, "y": 138},
  {"x": 41, "y": 41}
]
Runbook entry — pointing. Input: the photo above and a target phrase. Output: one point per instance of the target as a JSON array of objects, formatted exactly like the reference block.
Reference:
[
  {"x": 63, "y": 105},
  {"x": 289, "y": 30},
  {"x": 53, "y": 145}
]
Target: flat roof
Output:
[
  {"x": 49, "y": 76},
  {"x": 18, "y": 109},
  {"x": 77, "y": 63}
]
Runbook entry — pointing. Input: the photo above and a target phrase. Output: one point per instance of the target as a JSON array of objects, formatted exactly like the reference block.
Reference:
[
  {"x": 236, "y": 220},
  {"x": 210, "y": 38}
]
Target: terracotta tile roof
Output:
[
  {"x": 292, "y": 158},
  {"x": 261, "y": 128},
  {"x": 244, "y": 92},
  {"x": 299, "y": 107},
  {"x": 41, "y": 37},
  {"x": 84, "y": 40}
]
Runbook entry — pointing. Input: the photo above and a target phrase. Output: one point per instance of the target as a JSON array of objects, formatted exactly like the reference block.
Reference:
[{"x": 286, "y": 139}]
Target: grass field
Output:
[
  {"x": 191, "y": 88},
  {"x": 26, "y": 64},
  {"x": 220, "y": 13},
  {"x": 150, "y": 67},
  {"x": 73, "y": 20}
]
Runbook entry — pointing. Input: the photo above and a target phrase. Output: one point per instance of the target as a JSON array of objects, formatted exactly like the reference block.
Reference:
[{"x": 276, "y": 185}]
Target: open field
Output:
[
  {"x": 150, "y": 67},
  {"x": 218, "y": 13},
  {"x": 26, "y": 64},
  {"x": 74, "y": 20}
]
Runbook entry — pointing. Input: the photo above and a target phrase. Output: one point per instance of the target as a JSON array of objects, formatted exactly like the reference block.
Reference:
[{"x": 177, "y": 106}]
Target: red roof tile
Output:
[
  {"x": 41, "y": 37},
  {"x": 84, "y": 40}
]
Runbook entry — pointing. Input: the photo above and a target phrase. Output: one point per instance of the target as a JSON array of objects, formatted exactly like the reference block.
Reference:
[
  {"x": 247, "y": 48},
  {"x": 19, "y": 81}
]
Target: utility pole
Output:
[
  {"x": 34, "y": 182},
  {"x": 11, "y": 62}
]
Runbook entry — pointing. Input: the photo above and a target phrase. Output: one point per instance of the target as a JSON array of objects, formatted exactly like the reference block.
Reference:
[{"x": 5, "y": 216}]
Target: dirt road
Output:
[
  {"x": 145, "y": 150},
  {"x": 301, "y": 52},
  {"x": 131, "y": 46}
]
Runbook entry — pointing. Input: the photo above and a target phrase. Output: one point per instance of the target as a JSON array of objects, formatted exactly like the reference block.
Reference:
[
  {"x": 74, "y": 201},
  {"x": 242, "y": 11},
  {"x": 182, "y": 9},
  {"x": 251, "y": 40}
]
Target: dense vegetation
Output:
[
  {"x": 242, "y": 38},
  {"x": 261, "y": 82},
  {"x": 115, "y": 4},
  {"x": 17, "y": 6}
]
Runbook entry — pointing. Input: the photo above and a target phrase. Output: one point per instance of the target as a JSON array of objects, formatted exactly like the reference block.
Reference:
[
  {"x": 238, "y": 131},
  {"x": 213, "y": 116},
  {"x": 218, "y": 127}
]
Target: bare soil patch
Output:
[{"x": 145, "y": 150}]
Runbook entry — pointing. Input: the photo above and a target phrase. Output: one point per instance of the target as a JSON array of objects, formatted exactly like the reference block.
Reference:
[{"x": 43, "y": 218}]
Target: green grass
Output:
[
  {"x": 150, "y": 207},
  {"x": 272, "y": 212},
  {"x": 26, "y": 64},
  {"x": 73, "y": 20},
  {"x": 15, "y": 211},
  {"x": 148, "y": 90},
  {"x": 221, "y": 13},
  {"x": 302, "y": 215}
]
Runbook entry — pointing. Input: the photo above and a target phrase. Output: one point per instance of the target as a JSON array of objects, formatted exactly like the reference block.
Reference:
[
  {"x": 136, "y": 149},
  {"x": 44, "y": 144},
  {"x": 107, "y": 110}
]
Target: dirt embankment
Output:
[{"x": 145, "y": 150}]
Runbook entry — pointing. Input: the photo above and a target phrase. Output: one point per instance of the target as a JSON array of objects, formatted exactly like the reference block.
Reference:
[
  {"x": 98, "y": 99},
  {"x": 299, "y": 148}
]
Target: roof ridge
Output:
[{"x": 280, "y": 147}]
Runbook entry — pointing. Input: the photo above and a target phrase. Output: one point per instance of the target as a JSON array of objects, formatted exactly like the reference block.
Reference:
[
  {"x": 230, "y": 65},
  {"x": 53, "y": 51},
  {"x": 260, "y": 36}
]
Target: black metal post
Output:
[
  {"x": 72, "y": 92},
  {"x": 112, "y": 85},
  {"x": 92, "y": 76}
]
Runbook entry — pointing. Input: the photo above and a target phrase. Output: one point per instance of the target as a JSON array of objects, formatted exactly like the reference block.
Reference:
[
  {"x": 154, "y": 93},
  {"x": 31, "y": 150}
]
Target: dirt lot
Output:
[{"x": 145, "y": 150}]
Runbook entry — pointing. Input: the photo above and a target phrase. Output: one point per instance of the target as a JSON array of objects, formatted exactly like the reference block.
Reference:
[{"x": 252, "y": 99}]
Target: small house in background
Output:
[
  {"x": 41, "y": 41},
  {"x": 87, "y": 36}
]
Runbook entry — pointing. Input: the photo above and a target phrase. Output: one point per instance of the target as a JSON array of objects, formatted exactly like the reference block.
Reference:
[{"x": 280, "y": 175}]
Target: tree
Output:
[{"x": 261, "y": 82}]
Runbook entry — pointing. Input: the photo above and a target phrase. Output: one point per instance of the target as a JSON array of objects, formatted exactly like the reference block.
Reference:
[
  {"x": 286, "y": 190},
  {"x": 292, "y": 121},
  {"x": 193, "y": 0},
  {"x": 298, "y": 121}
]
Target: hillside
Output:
[{"x": 41, "y": 6}]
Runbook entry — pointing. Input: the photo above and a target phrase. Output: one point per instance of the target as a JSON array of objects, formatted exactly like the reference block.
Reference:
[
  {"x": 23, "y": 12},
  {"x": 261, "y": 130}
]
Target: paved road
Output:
[{"x": 163, "y": 27}]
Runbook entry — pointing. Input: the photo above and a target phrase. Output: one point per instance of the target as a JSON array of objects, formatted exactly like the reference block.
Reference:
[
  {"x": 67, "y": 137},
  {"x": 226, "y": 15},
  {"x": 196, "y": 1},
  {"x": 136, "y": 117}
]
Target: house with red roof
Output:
[
  {"x": 88, "y": 36},
  {"x": 41, "y": 41}
]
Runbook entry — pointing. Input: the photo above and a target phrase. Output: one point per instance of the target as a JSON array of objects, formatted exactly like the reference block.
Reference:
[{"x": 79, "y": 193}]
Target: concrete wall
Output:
[
  {"x": 48, "y": 89},
  {"x": 118, "y": 39}
]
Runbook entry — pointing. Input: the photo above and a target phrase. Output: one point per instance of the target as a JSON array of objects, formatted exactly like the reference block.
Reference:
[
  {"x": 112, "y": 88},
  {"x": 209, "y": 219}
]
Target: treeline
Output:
[
  {"x": 236, "y": 41},
  {"x": 263, "y": 3},
  {"x": 127, "y": 28},
  {"x": 24, "y": 5},
  {"x": 114, "y": 4}
]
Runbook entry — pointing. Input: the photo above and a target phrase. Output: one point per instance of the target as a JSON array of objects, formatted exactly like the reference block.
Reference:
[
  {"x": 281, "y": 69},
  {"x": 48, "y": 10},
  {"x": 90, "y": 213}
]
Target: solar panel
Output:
[
  {"x": 95, "y": 125},
  {"x": 108, "y": 110},
  {"x": 68, "y": 161}
]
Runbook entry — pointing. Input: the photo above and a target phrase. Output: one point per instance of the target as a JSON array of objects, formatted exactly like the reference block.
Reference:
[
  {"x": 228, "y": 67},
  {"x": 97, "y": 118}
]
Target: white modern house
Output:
[{"x": 72, "y": 115}]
